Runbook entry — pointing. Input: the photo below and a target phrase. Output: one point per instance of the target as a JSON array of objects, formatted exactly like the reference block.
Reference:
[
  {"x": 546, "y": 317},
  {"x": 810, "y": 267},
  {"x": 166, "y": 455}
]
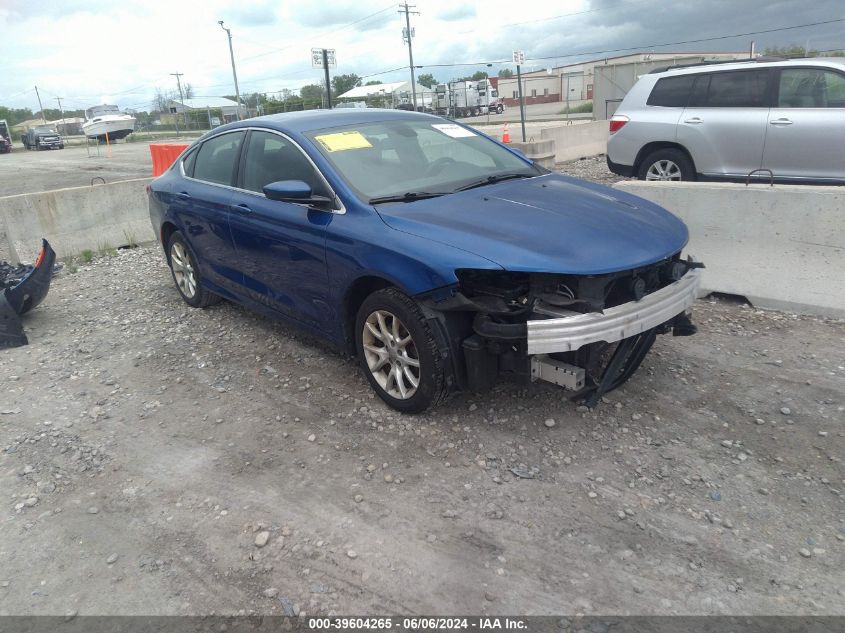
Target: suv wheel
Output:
[
  {"x": 398, "y": 353},
  {"x": 667, "y": 164}
]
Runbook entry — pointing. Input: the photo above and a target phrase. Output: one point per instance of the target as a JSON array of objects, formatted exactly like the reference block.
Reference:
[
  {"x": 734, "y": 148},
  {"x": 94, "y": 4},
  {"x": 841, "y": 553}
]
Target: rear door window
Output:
[
  {"x": 811, "y": 88},
  {"x": 738, "y": 89},
  {"x": 217, "y": 157},
  {"x": 671, "y": 92}
]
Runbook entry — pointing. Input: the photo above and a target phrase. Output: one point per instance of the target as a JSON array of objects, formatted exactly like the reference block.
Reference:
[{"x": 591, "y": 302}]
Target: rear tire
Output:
[
  {"x": 667, "y": 164},
  {"x": 186, "y": 275},
  {"x": 398, "y": 353}
]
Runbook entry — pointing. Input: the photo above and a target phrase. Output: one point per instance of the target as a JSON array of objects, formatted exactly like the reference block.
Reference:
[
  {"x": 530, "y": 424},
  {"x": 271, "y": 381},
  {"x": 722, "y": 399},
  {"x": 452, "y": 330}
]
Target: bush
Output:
[{"x": 581, "y": 109}]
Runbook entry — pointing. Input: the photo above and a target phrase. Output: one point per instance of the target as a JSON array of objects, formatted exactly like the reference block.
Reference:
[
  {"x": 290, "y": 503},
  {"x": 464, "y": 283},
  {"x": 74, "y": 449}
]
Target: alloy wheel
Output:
[
  {"x": 663, "y": 170},
  {"x": 183, "y": 270},
  {"x": 391, "y": 354}
]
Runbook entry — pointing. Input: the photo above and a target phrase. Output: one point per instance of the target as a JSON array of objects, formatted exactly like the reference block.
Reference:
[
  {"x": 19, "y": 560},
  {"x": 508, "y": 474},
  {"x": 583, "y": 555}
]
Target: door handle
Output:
[
  {"x": 242, "y": 209},
  {"x": 184, "y": 195},
  {"x": 780, "y": 122},
  {"x": 693, "y": 121}
]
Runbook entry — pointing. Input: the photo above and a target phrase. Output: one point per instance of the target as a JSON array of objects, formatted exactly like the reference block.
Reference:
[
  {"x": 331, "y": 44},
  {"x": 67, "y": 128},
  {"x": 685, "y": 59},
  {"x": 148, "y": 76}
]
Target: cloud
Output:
[
  {"x": 460, "y": 12},
  {"x": 256, "y": 15},
  {"x": 138, "y": 44},
  {"x": 322, "y": 15}
]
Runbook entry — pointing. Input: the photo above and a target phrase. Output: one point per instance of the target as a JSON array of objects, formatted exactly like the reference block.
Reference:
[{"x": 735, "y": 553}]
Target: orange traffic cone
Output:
[{"x": 506, "y": 136}]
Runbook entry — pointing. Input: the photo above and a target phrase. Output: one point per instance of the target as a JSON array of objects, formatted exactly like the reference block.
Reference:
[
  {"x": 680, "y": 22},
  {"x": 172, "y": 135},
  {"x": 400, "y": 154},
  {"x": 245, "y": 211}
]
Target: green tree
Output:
[
  {"x": 373, "y": 82},
  {"x": 311, "y": 92},
  {"x": 796, "y": 50},
  {"x": 793, "y": 50},
  {"x": 505, "y": 73},
  {"x": 15, "y": 115},
  {"x": 427, "y": 80},
  {"x": 345, "y": 83},
  {"x": 476, "y": 76}
]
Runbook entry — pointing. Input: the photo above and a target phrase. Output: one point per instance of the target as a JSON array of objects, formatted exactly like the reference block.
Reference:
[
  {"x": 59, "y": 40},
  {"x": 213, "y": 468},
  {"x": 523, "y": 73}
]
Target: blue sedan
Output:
[{"x": 440, "y": 258}]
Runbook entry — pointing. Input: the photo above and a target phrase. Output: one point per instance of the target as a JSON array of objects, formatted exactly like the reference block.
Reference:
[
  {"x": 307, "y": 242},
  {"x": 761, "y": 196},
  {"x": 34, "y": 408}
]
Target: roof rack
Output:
[{"x": 755, "y": 60}]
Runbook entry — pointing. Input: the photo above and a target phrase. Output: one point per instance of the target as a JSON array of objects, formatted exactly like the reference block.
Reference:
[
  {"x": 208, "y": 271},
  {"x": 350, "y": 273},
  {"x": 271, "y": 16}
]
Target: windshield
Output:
[{"x": 428, "y": 156}]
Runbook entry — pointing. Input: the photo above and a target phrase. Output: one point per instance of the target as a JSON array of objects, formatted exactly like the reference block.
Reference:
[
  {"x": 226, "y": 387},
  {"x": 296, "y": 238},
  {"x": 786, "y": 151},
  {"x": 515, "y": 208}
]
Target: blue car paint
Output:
[
  {"x": 547, "y": 224},
  {"x": 290, "y": 262}
]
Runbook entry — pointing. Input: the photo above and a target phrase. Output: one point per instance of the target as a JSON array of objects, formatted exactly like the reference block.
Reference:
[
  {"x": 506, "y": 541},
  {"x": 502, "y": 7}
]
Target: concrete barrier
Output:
[
  {"x": 541, "y": 152},
  {"x": 577, "y": 141},
  {"x": 781, "y": 247},
  {"x": 76, "y": 219}
]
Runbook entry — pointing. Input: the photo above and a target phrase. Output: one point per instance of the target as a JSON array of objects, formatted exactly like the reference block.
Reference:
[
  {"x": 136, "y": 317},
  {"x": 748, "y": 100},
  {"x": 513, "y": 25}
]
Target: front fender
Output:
[{"x": 362, "y": 245}]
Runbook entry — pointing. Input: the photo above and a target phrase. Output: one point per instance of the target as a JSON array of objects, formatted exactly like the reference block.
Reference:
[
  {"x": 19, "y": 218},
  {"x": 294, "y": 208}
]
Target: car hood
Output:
[{"x": 548, "y": 223}]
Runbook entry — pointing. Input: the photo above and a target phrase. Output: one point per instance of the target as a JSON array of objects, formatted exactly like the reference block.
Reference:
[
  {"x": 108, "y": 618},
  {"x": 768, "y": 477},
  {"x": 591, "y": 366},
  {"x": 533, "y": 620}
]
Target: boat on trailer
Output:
[{"x": 107, "y": 119}]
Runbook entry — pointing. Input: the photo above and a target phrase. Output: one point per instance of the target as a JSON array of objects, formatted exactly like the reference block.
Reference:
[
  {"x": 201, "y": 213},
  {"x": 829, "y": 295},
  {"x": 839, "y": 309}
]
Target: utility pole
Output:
[
  {"x": 234, "y": 72},
  {"x": 39, "y": 104},
  {"x": 328, "y": 83},
  {"x": 59, "y": 99},
  {"x": 408, "y": 35},
  {"x": 181, "y": 97}
]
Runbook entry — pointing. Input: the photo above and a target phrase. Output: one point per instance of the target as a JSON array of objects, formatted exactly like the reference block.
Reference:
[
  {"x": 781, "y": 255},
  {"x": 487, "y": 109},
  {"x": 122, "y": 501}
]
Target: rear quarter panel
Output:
[{"x": 647, "y": 124}]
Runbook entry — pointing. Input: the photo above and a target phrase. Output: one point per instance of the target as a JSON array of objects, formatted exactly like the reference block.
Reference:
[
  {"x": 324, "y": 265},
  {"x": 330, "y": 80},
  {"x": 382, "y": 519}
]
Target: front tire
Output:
[
  {"x": 667, "y": 164},
  {"x": 186, "y": 275},
  {"x": 398, "y": 353}
]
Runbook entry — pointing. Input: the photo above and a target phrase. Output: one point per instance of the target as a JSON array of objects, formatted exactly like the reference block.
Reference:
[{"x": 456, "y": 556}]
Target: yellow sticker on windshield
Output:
[{"x": 340, "y": 141}]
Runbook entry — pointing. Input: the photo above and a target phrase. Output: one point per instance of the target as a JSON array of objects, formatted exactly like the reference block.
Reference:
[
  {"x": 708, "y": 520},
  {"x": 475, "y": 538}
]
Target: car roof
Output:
[
  {"x": 310, "y": 120},
  {"x": 744, "y": 64}
]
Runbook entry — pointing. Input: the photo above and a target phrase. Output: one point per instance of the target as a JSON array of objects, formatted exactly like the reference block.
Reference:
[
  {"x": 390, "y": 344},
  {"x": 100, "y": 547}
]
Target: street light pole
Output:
[
  {"x": 521, "y": 100},
  {"x": 234, "y": 72}
]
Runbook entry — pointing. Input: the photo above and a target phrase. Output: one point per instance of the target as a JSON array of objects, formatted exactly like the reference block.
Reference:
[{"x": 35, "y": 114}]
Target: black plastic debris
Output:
[{"x": 21, "y": 289}]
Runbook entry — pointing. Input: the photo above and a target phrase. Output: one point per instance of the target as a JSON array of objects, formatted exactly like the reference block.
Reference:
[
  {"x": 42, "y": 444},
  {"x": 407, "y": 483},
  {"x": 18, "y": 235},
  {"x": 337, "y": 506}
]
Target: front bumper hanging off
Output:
[
  {"x": 633, "y": 325},
  {"x": 571, "y": 332},
  {"x": 17, "y": 300}
]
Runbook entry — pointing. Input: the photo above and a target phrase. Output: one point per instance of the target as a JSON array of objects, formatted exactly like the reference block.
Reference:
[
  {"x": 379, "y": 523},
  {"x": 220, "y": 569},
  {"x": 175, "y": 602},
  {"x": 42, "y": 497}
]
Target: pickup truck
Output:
[
  {"x": 42, "y": 137},
  {"x": 5, "y": 137}
]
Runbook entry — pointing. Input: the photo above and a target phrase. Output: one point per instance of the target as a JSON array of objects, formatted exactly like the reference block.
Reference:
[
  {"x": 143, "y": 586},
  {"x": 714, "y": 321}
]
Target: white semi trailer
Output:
[{"x": 467, "y": 98}]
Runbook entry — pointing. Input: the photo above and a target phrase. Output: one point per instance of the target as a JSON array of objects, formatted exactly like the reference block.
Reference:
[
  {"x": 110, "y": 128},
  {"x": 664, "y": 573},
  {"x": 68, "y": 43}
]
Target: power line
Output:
[
  {"x": 631, "y": 48},
  {"x": 696, "y": 41}
]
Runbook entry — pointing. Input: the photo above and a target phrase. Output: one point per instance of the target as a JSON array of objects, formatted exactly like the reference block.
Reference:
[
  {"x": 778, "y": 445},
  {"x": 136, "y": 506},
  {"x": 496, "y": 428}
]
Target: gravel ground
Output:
[
  {"x": 593, "y": 168},
  {"x": 156, "y": 459}
]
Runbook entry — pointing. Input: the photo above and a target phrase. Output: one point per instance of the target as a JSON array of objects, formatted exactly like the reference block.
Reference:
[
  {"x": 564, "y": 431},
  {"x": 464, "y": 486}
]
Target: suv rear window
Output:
[
  {"x": 671, "y": 92},
  {"x": 732, "y": 89}
]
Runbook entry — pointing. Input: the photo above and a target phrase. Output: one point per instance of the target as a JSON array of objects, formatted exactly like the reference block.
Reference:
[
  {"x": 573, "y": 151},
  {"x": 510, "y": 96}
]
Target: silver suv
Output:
[{"x": 727, "y": 120}]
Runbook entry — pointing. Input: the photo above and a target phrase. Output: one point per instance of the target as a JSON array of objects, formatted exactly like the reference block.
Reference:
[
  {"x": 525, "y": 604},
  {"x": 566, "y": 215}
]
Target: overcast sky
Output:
[{"x": 94, "y": 51}]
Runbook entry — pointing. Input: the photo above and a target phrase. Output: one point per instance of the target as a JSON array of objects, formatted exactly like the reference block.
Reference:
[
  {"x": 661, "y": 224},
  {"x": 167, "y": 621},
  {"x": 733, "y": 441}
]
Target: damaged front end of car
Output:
[
  {"x": 586, "y": 333},
  {"x": 23, "y": 288}
]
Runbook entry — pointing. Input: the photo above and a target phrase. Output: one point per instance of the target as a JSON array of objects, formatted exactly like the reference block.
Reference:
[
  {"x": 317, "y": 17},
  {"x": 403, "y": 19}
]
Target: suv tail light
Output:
[{"x": 617, "y": 122}]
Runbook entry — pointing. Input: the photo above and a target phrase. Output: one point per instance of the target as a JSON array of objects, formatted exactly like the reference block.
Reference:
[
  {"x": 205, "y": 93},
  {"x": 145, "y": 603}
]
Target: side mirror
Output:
[
  {"x": 288, "y": 191},
  {"x": 297, "y": 191}
]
